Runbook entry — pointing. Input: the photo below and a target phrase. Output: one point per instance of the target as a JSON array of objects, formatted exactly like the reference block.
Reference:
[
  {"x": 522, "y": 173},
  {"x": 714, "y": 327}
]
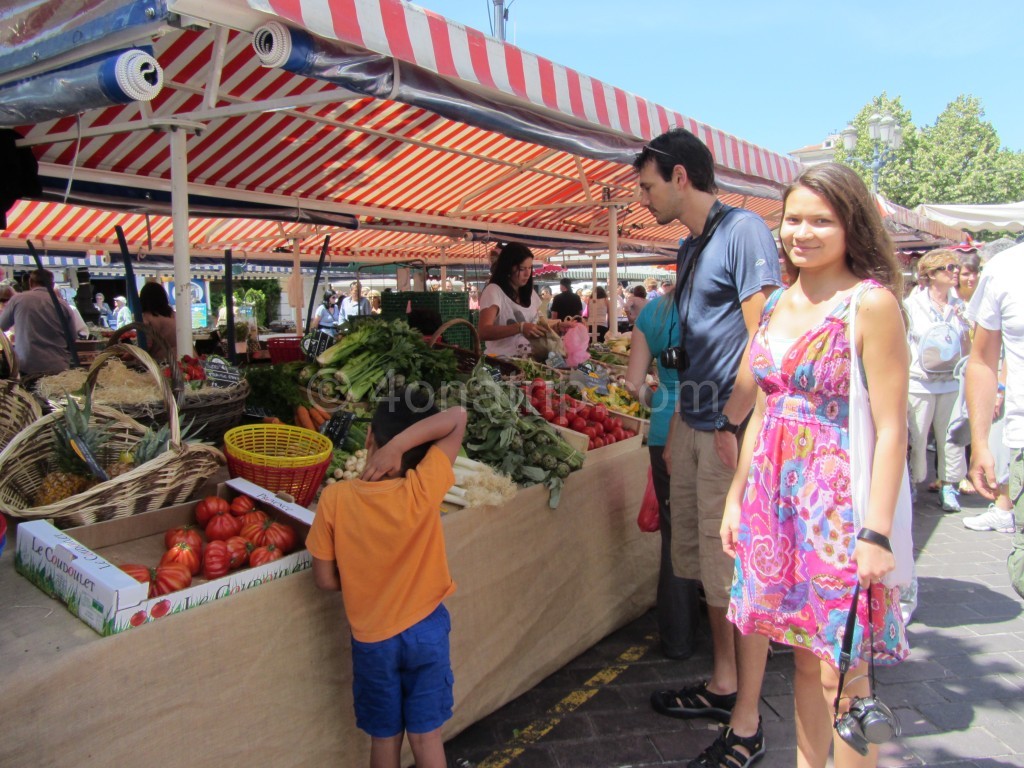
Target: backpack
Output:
[{"x": 941, "y": 347}]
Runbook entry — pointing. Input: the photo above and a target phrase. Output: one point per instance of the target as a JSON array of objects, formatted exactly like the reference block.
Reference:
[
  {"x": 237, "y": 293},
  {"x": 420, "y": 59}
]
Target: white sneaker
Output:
[
  {"x": 992, "y": 519},
  {"x": 949, "y": 499}
]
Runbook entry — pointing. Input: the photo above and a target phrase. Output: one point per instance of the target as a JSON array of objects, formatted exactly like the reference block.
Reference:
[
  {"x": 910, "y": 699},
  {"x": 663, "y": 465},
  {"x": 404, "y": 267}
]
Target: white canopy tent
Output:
[{"x": 1007, "y": 216}]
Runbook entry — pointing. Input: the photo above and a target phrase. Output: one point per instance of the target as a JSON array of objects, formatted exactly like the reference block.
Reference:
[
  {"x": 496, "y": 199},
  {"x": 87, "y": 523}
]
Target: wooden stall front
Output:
[{"x": 264, "y": 677}]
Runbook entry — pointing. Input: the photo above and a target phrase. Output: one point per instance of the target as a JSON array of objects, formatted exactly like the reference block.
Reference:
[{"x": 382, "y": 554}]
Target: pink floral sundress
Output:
[{"x": 794, "y": 578}]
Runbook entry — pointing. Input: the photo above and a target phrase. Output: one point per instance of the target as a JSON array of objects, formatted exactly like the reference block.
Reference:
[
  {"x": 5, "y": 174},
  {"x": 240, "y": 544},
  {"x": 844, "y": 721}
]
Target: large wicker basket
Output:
[
  {"x": 466, "y": 359},
  {"x": 208, "y": 413},
  {"x": 18, "y": 406},
  {"x": 170, "y": 478}
]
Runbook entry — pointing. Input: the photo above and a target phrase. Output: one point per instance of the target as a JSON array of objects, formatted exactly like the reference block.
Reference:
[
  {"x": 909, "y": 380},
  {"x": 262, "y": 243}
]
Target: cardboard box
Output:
[{"x": 78, "y": 567}]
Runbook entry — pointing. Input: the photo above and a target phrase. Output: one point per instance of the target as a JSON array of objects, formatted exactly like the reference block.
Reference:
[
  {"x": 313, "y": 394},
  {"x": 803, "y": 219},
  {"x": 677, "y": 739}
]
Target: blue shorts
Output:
[{"x": 404, "y": 683}]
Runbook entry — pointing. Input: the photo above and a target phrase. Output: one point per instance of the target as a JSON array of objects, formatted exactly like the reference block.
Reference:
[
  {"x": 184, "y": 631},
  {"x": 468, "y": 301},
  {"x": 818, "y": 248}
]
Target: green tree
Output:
[
  {"x": 956, "y": 160},
  {"x": 896, "y": 178},
  {"x": 960, "y": 160}
]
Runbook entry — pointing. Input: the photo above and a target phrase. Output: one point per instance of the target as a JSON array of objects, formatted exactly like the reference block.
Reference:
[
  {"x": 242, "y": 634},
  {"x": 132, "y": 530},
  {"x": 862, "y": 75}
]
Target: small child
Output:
[{"x": 379, "y": 540}]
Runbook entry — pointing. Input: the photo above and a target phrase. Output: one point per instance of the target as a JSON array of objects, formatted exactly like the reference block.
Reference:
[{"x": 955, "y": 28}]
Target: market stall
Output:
[{"x": 263, "y": 677}]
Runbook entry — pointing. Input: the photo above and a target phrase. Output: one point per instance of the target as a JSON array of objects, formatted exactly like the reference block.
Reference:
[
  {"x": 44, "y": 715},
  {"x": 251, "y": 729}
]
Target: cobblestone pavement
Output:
[{"x": 960, "y": 696}]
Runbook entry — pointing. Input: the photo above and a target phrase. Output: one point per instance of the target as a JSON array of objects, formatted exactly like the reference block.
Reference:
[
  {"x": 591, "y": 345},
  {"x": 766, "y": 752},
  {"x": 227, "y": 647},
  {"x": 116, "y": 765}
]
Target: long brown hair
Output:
[{"x": 870, "y": 253}]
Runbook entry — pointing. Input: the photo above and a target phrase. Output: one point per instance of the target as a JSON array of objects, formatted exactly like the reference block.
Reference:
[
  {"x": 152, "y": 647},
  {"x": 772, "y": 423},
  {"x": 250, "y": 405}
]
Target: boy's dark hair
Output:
[{"x": 396, "y": 413}]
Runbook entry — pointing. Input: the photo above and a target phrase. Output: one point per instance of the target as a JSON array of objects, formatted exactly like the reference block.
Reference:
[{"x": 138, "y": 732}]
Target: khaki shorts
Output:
[{"x": 698, "y": 487}]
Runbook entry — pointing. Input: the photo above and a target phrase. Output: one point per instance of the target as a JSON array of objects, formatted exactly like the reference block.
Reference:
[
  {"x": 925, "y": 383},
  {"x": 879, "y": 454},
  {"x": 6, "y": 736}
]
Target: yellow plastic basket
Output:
[{"x": 279, "y": 457}]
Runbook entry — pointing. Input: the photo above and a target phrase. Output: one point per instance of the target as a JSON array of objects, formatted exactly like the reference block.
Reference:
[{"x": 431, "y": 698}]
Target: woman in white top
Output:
[
  {"x": 597, "y": 312},
  {"x": 328, "y": 317},
  {"x": 935, "y": 313},
  {"x": 509, "y": 305}
]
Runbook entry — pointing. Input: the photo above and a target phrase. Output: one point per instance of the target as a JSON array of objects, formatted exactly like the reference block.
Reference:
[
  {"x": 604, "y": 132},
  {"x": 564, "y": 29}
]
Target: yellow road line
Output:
[{"x": 541, "y": 727}]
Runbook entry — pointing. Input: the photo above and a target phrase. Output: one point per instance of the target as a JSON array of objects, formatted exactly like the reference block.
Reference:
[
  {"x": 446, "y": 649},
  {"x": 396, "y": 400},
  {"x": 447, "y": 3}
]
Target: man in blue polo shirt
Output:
[{"x": 725, "y": 270}]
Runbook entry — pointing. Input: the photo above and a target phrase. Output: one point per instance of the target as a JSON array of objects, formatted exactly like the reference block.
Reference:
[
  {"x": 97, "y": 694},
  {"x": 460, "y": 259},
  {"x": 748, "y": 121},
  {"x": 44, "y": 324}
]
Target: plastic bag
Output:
[
  {"x": 576, "y": 341},
  {"x": 649, "y": 518}
]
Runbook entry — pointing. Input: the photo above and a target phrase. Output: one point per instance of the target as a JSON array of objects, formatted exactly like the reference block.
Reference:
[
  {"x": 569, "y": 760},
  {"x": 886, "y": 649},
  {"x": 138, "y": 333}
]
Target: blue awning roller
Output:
[{"x": 118, "y": 77}]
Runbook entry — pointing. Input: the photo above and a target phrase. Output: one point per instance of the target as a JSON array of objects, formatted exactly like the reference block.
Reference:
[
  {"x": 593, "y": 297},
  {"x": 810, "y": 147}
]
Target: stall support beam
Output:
[
  {"x": 179, "y": 225},
  {"x": 613, "y": 271}
]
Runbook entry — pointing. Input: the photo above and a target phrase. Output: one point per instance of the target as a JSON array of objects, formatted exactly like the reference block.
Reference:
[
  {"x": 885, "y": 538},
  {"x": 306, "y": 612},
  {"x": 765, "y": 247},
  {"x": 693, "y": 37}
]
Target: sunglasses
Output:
[
  {"x": 947, "y": 268},
  {"x": 663, "y": 153}
]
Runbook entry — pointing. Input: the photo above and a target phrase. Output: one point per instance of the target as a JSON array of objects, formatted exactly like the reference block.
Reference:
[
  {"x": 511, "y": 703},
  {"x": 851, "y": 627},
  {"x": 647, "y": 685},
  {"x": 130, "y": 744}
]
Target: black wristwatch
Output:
[{"x": 722, "y": 424}]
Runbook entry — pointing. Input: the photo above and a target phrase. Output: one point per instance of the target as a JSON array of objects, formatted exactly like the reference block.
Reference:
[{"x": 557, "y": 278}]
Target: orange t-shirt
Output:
[{"x": 387, "y": 540}]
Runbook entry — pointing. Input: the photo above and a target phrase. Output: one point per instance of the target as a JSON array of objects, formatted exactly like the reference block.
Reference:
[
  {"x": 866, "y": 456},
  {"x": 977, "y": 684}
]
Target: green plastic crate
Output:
[{"x": 449, "y": 305}]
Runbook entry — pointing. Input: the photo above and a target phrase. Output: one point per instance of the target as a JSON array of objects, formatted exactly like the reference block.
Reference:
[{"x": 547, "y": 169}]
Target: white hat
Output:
[{"x": 122, "y": 299}]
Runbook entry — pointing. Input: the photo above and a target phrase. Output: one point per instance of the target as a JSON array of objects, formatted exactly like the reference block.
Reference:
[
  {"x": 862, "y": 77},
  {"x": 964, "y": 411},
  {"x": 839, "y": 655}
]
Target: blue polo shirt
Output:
[{"x": 740, "y": 259}]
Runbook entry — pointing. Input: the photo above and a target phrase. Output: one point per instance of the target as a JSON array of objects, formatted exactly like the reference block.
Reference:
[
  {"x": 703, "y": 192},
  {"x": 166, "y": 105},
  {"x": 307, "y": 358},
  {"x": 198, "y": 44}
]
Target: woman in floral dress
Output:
[{"x": 788, "y": 517}]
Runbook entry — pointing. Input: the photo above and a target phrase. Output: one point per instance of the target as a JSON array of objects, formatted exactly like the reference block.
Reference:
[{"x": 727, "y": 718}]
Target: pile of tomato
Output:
[
  {"x": 565, "y": 411},
  {"x": 225, "y": 537}
]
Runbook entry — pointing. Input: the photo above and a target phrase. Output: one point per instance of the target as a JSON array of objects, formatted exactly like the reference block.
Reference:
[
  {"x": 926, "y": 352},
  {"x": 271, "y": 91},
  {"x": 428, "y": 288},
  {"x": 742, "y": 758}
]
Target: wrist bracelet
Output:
[
  {"x": 874, "y": 537},
  {"x": 521, "y": 325}
]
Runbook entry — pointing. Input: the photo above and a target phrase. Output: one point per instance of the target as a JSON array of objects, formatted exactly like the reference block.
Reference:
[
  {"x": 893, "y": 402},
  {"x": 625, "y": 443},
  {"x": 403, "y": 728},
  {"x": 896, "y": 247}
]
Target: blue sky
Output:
[{"x": 782, "y": 74}]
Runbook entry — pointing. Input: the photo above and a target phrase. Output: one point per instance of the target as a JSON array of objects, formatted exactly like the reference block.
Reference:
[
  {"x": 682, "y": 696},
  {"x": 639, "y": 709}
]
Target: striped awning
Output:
[{"x": 536, "y": 152}]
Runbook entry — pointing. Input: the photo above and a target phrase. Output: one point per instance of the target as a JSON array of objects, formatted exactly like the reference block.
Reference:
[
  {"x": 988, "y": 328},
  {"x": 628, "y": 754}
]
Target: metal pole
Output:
[
  {"x": 613, "y": 271},
  {"x": 296, "y": 291},
  {"x": 499, "y": 19},
  {"x": 179, "y": 228}
]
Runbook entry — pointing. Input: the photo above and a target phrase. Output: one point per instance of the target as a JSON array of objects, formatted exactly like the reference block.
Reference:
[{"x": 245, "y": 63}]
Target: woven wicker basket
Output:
[
  {"x": 466, "y": 359},
  {"x": 208, "y": 415},
  {"x": 18, "y": 406},
  {"x": 170, "y": 478}
]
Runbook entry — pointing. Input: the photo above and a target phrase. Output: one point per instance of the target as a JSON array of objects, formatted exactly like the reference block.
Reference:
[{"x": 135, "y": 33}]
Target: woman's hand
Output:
[
  {"x": 730, "y": 529},
  {"x": 873, "y": 562},
  {"x": 531, "y": 330}
]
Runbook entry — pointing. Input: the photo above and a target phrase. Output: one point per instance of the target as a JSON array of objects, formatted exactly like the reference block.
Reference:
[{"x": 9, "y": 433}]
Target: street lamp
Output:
[{"x": 886, "y": 137}]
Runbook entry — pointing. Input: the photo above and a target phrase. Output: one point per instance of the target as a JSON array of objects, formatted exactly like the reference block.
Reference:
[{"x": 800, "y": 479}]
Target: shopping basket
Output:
[{"x": 280, "y": 458}]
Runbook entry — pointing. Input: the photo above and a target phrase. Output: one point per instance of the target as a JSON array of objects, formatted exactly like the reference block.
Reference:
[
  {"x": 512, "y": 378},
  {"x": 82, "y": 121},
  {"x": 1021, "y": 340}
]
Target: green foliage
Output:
[
  {"x": 956, "y": 160},
  {"x": 264, "y": 295}
]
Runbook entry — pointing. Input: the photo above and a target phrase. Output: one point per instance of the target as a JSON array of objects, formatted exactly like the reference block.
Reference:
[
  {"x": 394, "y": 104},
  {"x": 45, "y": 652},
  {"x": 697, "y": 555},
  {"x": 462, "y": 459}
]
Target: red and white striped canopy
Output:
[{"x": 419, "y": 185}]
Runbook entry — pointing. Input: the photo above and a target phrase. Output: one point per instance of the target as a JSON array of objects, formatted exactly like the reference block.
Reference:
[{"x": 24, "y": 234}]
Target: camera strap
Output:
[
  {"x": 846, "y": 652},
  {"x": 717, "y": 213}
]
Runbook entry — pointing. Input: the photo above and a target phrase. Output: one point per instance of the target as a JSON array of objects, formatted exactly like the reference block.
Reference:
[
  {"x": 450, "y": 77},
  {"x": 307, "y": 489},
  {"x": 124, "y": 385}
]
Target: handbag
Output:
[
  {"x": 648, "y": 520},
  {"x": 862, "y": 454}
]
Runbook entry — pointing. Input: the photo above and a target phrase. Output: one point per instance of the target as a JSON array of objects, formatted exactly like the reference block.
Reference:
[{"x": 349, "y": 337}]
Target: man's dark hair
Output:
[
  {"x": 565, "y": 282},
  {"x": 399, "y": 411},
  {"x": 680, "y": 147},
  {"x": 43, "y": 277}
]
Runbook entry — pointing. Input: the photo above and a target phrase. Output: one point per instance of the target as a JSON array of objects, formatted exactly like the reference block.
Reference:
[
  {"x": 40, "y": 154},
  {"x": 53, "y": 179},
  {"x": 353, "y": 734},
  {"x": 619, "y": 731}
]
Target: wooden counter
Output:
[{"x": 264, "y": 678}]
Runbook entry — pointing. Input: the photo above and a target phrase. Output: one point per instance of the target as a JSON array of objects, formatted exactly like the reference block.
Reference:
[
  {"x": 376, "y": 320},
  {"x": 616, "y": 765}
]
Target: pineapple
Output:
[
  {"x": 152, "y": 444},
  {"x": 72, "y": 475}
]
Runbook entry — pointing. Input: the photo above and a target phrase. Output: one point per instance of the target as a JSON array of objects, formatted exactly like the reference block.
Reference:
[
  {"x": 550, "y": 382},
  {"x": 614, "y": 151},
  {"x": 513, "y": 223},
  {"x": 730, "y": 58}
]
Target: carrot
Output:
[
  {"x": 320, "y": 410},
  {"x": 314, "y": 414},
  {"x": 302, "y": 418},
  {"x": 272, "y": 420}
]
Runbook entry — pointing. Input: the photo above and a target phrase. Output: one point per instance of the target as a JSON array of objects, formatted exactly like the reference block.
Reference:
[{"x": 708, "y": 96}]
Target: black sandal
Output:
[
  {"x": 694, "y": 701},
  {"x": 723, "y": 752}
]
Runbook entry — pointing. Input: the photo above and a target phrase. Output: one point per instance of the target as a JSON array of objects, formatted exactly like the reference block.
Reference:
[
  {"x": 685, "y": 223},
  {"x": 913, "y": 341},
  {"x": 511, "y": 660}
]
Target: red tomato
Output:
[
  {"x": 561, "y": 421},
  {"x": 591, "y": 445},
  {"x": 223, "y": 526},
  {"x": 587, "y": 412},
  {"x": 263, "y": 555},
  {"x": 612, "y": 423},
  {"x": 548, "y": 414},
  {"x": 242, "y": 504},
  {"x": 216, "y": 560},
  {"x": 209, "y": 506},
  {"x": 609, "y": 439},
  {"x": 539, "y": 383},
  {"x": 589, "y": 432},
  {"x": 169, "y": 577},
  {"x": 239, "y": 549},
  {"x": 598, "y": 428},
  {"x": 189, "y": 533},
  {"x": 183, "y": 553},
  {"x": 256, "y": 516},
  {"x": 537, "y": 403},
  {"x": 577, "y": 424},
  {"x": 599, "y": 413},
  {"x": 599, "y": 442},
  {"x": 270, "y": 532},
  {"x": 618, "y": 434},
  {"x": 141, "y": 573},
  {"x": 629, "y": 433}
]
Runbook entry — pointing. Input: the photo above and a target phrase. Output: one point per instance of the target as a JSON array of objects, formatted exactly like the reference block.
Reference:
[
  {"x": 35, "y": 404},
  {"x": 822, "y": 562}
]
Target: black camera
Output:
[
  {"x": 868, "y": 722},
  {"x": 675, "y": 358}
]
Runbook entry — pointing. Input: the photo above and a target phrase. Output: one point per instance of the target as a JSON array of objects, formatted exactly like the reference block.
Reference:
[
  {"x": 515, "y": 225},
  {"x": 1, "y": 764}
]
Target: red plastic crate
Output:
[{"x": 285, "y": 349}]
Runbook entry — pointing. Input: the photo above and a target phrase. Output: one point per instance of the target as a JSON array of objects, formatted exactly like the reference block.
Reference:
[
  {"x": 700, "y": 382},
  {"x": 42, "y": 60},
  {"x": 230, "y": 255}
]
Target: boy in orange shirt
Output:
[{"x": 379, "y": 540}]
